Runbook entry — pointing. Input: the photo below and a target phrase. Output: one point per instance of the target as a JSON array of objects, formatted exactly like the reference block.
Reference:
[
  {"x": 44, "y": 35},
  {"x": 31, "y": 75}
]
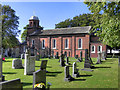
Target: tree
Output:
[
  {"x": 81, "y": 20},
  {"x": 109, "y": 23},
  {"x": 9, "y": 27},
  {"x": 24, "y": 34}
]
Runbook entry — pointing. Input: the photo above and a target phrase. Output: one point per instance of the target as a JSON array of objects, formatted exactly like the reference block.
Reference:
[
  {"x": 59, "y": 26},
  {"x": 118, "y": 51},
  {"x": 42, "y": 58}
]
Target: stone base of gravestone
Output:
[
  {"x": 69, "y": 78},
  {"x": 11, "y": 85},
  {"x": 17, "y": 64},
  {"x": 75, "y": 75},
  {"x": 87, "y": 65}
]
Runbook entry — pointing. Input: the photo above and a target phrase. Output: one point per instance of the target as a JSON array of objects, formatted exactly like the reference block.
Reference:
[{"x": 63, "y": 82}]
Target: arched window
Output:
[
  {"x": 54, "y": 44},
  {"x": 80, "y": 43},
  {"x": 92, "y": 49},
  {"x": 99, "y": 49},
  {"x": 43, "y": 44},
  {"x": 66, "y": 43}
]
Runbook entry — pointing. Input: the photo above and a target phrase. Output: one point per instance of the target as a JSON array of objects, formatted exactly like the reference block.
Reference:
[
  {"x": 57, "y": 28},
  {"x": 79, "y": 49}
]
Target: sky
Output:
[{"x": 49, "y": 13}]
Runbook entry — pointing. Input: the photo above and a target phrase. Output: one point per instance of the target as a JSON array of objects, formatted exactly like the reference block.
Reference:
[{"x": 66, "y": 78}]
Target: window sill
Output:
[
  {"x": 66, "y": 48},
  {"x": 79, "y": 48},
  {"x": 92, "y": 52},
  {"x": 53, "y": 48}
]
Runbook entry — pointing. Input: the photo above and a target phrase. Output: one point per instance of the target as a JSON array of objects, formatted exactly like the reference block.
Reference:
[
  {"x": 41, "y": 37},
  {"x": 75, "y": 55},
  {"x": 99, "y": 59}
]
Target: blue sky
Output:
[{"x": 49, "y": 13}]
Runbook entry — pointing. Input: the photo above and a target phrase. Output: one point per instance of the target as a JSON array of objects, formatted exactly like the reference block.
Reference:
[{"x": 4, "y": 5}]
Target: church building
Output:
[{"x": 70, "y": 40}]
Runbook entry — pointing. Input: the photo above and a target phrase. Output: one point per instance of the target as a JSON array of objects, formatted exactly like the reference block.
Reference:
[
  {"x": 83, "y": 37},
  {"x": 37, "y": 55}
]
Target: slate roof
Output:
[{"x": 71, "y": 30}]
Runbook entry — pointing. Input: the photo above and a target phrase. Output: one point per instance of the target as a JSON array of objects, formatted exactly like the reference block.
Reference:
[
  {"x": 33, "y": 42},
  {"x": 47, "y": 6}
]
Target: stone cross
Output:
[
  {"x": 99, "y": 58},
  {"x": 75, "y": 70}
]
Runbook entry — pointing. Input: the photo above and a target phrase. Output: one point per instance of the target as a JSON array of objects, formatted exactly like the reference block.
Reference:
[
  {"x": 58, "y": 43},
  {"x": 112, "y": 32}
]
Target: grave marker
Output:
[
  {"x": 99, "y": 58},
  {"x": 43, "y": 64},
  {"x": 75, "y": 70},
  {"x": 103, "y": 55},
  {"x": 67, "y": 60},
  {"x": 17, "y": 64}
]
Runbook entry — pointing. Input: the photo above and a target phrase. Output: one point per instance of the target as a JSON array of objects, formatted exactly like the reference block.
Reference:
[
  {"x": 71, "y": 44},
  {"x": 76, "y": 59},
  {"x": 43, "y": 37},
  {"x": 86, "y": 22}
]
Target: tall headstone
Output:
[
  {"x": 67, "y": 60},
  {"x": 17, "y": 64},
  {"x": 62, "y": 61},
  {"x": 43, "y": 64},
  {"x": 75, "y": 70},
  {"x": 87, "y": 63},
  {"x": 29, "y": 65},
  {"x": 99, "y": 58},
  {"x": 67, "y": 75},
  {"x": 39, "y": 77},
  {"x": 80, "y": 59},
  {"x": 103, "y": 55}
]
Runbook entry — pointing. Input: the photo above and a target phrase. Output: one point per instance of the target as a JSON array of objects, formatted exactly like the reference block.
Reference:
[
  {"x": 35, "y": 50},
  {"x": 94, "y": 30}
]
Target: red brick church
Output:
[{"x": 71, "y": 40}]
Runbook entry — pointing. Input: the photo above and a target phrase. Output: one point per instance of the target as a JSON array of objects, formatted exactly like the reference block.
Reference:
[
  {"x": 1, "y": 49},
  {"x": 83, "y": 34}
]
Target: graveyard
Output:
[{"x": 104, "y": 75}]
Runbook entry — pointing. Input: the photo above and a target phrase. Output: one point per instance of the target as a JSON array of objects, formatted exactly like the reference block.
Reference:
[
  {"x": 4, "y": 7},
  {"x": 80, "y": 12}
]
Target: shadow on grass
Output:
[
  {"x": 46, "y": 67},
  {"x": 79, "y": 80},
  {"x": 85, "y": 75},
  {"x": 7, "y": 61},
  {"x": 54, "y": 74},
  {"x": 9, "y": 73},
  {"x": 99, "y": 67},
  {"x": 26, "y": 84}
]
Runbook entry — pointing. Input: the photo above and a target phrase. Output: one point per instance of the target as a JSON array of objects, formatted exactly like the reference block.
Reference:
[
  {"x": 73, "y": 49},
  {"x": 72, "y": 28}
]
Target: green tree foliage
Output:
[
  {"x": 9, "y": 27},
  {"x": 24, "y": 34},
  {"x": 81, "y": 20},
  {"x": 109, "y": 23}
]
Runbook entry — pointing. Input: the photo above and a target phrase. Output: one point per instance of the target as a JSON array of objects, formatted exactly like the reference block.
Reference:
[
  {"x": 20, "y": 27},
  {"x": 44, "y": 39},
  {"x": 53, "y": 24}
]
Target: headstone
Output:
[
  {"x": 99, "y": 58},
  {"x": 75, "y": 70},
  {"x": 38, "y": 57},
  {"x": 88, "y": 62},
  {"x": 80, "y": 59},
  {"x": 67, "y": 60},
  {"x": 49, "y": 56},
  {"x": 29, "y": 65},
  {"x": 17, "y": 64},
  {"x": 22, "y": 56},
  {"x": 39, "y": 77},
  {"x": 11, "y": 85},
  {"x": 119, "y": 60},
  {"x": 103, "y": 55},
  {"x": 43, "y": 64},
  {"x": 56, "y": 56},
  {"x": 76, "y": 56},
  {"x": 67, "y": 75},
  {"x": 62, "y": 61}
]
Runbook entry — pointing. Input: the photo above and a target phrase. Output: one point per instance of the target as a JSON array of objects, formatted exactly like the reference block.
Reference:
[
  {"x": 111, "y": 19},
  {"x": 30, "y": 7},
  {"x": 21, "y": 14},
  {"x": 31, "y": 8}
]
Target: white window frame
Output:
[
  {"x": 100, "y": 49},
  {"x": 79, "y": 43},
  {"x": 54, "y": 43},
  {"x": 94, "y": 49},
  {"x": 42, "y": 44},
  {"x": 67, "y": 43}
]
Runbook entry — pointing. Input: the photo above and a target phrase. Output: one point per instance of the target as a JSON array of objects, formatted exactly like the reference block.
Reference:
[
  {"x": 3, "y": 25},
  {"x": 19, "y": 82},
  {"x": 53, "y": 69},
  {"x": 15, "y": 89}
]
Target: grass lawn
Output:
[{"x": 105, "y": 75}]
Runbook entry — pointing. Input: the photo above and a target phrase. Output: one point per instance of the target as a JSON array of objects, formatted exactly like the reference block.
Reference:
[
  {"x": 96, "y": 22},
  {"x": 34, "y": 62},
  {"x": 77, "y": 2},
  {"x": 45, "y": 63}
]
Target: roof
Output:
[
  {"x": 34, "y": 18},
  {"x": 71, "y": 30}
]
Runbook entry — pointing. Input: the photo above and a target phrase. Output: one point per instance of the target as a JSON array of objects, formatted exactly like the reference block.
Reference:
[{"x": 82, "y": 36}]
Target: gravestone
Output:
[
  {"x": 103, "y": 55},
  {"x": 62, "y": 61},
  {"x": 17, "y": 64},
  {"x": 67, "y": 60},
  {"x": 76, "y": 56},
  {"x": 56, "y": 56},
  {"x": 87, "y": 63},
  {"x": 39, "y": 77},
  {"x": 11, "y": 85},
  {"x": 49, "y": 56},
  {"x": 38, "y": 57},
  {"x": 22, "y": 56},
  {"x": 99, "y": 58},
  {"x": 43, "y": 64},
  {"x": 119, "y": 60},
  {"x": 80, "y": 59},
  {"x": 29, "y": 65},
  {"x": 75, "y": 70},
  {"x": 67, "y": 75}
]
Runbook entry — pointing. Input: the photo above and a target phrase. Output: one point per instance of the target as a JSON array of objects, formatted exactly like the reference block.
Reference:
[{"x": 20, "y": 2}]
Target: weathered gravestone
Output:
[
  {"x": 56, "y": 56},
  {"x": 99, "y": 58},
  {"x": 75, "y": 70},
  {"x": 80, "y": 59},
  {"x": 119, "y": 60},
  {"x": 29, "y": 65},
  {"x": 17, "y": 64},
  {"x": 87, "y": 63},
  {"x": 11, "y": 85},
  {"x": 103, "y": 55},
  {"x": 39, "y": 77},
  {"x": 43, "y": 65},
  {"x": 67, "y": 75},
  {"x": 67, "y": 60},
  {"x": 62, "y": 61},
  {"x": 76, "y": 56}
]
